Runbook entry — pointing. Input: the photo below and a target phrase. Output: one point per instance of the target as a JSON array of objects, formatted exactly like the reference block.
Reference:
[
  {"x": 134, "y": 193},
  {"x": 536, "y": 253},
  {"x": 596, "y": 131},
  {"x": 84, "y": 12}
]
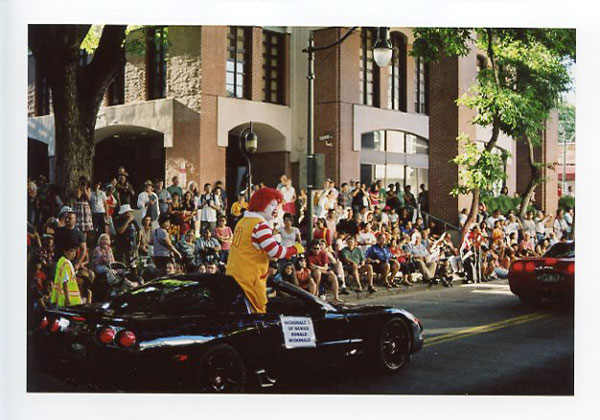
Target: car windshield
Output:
[
  {"x": 561, "y": 250},
  {"x": 166, "y": 296}
]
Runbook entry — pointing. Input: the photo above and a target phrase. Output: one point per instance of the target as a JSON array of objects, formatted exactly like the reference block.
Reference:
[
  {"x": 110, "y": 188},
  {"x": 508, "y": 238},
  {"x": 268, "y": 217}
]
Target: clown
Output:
[{"x": 253, "y": 245}]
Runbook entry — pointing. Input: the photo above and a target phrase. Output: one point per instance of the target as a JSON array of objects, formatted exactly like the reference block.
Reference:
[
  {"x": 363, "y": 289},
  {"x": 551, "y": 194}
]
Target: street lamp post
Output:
[
  {"x": 248, "y": 145},
  {"x": 382, "y": 53}
]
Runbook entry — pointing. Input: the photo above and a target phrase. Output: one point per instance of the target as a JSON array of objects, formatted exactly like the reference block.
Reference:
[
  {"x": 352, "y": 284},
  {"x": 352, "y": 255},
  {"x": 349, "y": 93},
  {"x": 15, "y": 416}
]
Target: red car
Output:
[{"x": 549, "y": 276}]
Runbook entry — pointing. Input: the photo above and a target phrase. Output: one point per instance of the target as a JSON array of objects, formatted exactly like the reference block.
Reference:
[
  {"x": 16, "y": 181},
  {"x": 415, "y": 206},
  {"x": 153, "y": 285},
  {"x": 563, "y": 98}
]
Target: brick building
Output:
[{"x": 179, "y": 108}]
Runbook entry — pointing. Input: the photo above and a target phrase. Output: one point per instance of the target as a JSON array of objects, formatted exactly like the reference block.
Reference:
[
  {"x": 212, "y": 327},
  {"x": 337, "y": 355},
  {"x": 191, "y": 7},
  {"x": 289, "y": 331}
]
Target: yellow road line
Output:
[{"x": 484, "y": 328}]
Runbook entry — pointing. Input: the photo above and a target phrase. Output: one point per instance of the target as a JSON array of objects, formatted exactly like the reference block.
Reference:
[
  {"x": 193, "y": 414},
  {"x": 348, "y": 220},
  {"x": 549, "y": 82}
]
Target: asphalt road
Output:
[{"x": 479, "y": 340}]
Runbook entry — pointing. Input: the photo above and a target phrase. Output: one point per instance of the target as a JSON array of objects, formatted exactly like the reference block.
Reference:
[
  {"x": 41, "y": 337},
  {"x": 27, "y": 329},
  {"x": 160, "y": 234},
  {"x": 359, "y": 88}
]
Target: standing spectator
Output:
[
  {"x": 282, "y": 182},
  {"x": 126, "y": 235},
  {"x": 164, "y": 197},
  {"x": 462, "y": 217},
  {"x": 360, "y": 197},
  {"x": 175, "y": 188},
  {"x": 98, "y": 205},
  {"x": 540, "y": 226},
  {"x": 560, "y": 227},
  {"x": 290, "y": 235},
  {"x": 357, "y": 264},
  {"x": 409, "y": 200},
  {"x": 424, "y": 199},
  {"x": 345, "y": 196},
  {"x": 111, "y": 205},
  {"x": 224, "y": 197},
  {"x": 145, "y": 237},
  {"x": 67, "y": 234},
  {"x": 224, "y": 235},
  {"x": 53, "y": 202},
  {"x": 148, "y": 202},
  {"x": 569, "y": 217},
  {"x": 124, "y": 191},
  {"x": 301, "y": 204},
  {"x": 188, "y": 209},
  {"x": 161, "y": 242},
  {"x": 239, "y": 205},
  {"x": 513, "y": 225},
  {"x": 218, "y": 197},
  {"x": 33, "y": 203},
  {"x": 208, "y": 209},
  {"x": 529, "y": 224},
  {"x": 289, "y": 197},
  {"x": 374, "y": 194},
  {"x": 66, "y": 291},
  {"x": 382, "y": 260},
  {"x": 82, "y": 206}
]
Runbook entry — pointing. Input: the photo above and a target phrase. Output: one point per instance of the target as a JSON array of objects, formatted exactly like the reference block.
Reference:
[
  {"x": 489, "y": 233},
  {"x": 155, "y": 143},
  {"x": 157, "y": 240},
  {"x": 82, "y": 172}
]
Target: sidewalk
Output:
[{"x": 382, "y": 291}]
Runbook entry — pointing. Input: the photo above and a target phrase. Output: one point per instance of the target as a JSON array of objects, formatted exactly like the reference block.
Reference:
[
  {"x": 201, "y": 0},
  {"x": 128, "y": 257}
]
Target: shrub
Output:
[{"x": 567, "y": 201}]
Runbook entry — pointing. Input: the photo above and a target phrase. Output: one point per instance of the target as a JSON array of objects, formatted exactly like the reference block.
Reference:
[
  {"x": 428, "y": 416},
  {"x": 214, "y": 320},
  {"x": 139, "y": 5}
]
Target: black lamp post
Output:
[
  {"x": 248, "y": 145},
  {"x": 382, "y": 54}
]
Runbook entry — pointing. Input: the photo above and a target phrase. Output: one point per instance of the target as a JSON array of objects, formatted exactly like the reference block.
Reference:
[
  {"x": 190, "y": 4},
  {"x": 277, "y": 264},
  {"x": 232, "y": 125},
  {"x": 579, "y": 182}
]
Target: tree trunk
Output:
[
  {"x": 533, "y": 182},
  {"x": 77, "y": 92}
]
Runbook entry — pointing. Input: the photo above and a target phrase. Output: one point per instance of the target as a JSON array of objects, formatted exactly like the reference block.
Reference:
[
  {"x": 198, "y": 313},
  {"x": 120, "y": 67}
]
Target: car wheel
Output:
[
  {"x": 393, "y": 345},
  {"x": 221, "y": 369}
]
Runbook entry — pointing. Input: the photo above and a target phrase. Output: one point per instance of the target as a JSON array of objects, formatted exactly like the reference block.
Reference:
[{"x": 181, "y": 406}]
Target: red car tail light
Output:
[
  {"x": 55, "y": 326},
  {"x": 106, "y": 335},
  {"x": 126, "y": 338},
  {"x": 43, "y": 323},
  {"x": 518, "y": 266},
  {"x": 530, "y": 267},
  {"x": 550, "y": 261},
  {"x": 571, "y": 268}
]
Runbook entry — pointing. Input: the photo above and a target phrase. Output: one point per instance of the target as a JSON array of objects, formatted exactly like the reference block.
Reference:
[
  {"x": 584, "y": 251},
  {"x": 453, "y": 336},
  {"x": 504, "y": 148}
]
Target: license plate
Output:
[{"x": 549, "y": 278}]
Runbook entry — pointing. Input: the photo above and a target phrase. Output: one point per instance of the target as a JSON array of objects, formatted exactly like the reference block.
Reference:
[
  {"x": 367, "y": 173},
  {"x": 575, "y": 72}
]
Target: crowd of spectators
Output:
[{"x": 365, "y": 237}]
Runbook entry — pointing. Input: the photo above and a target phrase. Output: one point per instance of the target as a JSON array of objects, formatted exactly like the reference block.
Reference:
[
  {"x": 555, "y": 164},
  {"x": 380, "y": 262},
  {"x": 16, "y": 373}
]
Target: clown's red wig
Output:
[{"x": 261, "y": 199}]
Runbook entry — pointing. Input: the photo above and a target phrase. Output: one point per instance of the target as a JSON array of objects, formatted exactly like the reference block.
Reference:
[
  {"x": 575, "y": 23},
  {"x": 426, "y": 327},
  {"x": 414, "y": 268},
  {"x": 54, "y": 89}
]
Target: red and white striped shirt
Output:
[{"x": 262, "y": 238}]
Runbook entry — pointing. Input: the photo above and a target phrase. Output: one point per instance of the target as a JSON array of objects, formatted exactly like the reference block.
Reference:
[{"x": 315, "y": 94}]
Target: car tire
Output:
[
  {"x": 221, "y": 369},
  {"x": 392, "y": 346}
]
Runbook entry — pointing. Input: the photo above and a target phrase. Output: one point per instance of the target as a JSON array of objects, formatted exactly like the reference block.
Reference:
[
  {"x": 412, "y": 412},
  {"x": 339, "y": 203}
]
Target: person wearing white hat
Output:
[{"x": 126, "y": 234}]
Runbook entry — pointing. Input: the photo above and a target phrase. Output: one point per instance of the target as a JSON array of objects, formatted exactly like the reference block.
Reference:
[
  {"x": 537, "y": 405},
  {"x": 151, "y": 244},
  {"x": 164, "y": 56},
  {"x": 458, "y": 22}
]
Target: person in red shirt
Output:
[
  {"x": 318, "y": 262},
  {"x": 304, "y": 276},
  {"x": 322, "y": 232}
]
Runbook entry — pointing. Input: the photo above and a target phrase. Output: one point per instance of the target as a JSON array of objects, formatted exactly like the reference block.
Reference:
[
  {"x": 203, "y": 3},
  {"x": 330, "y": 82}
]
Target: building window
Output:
[
  {"x": 116, "y": 89},
  {"x": 397, "y": 74},
  {"x": 273, "y": 67},
  {"x": 42, "y": 93},
  {"x": 368, "y": 77},
  {"x": 421, "y": 81},
  {"x": 156, "y": 63},
  {"x": 238, "y": 58}
]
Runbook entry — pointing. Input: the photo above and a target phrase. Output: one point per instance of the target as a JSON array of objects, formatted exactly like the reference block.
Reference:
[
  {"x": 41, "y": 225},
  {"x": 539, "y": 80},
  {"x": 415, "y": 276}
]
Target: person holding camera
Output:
[{"x": 148, "y": 203}]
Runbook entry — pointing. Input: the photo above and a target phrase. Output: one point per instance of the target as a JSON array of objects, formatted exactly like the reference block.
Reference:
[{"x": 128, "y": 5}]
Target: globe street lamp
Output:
[
  {"x": 248, "y": 145},
  {"x": 382, "y": 54}
]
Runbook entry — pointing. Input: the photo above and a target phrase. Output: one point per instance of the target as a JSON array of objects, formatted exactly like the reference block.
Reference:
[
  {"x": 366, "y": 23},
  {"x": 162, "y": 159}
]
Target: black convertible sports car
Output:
[{"x": 197, "y": 327}]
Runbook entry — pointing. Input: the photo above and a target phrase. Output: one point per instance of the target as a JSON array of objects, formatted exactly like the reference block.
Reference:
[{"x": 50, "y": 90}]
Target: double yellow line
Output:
[{"x": 439, "y": 339}]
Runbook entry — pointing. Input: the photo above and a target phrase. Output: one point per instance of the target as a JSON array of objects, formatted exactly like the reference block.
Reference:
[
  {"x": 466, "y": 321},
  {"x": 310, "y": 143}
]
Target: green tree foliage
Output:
[
  {"x": 523, "y": 81},
  {"x": 566, "y": 122}
]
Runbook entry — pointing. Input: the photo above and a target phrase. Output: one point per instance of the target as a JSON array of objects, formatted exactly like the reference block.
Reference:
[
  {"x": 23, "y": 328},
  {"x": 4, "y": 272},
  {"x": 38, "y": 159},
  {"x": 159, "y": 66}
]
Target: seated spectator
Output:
[
  {"x": 304, "y": 276},
  {"x": 103, "y": 255},
  {"x": 322, "y": 232},
  {"x": 357, "y": 264},
  {"x": 366, "y": 237},
  {"x": 289, "y": 273},
  {"x": 335, "y": 265},
  {"x": 403, "y": 258},
  {"x": 526, "y": 247},
  {"x": 452, "y": 254},
  {"x": 380, "y": 257},
  {"x": 207, "y": 246},
  {"x": 421, "y": 258},
  {"x": 145, "y": 237},
  {"x": 187, "y": 249},
  {"x": 162, "y": 245},
  {"x": 318, "y": 262},
  {"x": 212, "y": 267}
]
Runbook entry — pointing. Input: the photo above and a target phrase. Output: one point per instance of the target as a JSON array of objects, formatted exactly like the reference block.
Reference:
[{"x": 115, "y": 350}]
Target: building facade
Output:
[{"x": 179, "y": 109}]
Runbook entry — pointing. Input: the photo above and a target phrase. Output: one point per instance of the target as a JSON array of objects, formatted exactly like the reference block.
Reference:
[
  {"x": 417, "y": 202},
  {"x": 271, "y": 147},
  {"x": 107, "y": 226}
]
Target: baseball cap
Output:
[{"x": 64, "y": 210}]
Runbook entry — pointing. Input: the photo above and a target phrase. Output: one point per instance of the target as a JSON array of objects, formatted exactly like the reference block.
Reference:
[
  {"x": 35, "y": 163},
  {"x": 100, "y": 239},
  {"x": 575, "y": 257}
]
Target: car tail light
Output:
[
  {"x": 43, "y": 323},
  {"x": 180, "y": 357},
  {"x": 78, "y": 318},
  {"x": 55, "y": 326},
  {"x": 126, "y": 338},
  {"x": 571, "y": 268},
  {"x": 550, "y": 261},
  {"x": 106, "y": 335},
  {"x": 518, "y": 266},
  {"x": 530, "y": 267}
]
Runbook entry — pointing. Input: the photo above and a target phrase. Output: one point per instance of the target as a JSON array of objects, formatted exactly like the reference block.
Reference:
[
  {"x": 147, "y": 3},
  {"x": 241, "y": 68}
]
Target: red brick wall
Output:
[
  {"x": 443, "y": 130},
  {"x": 214, "y": 57}
]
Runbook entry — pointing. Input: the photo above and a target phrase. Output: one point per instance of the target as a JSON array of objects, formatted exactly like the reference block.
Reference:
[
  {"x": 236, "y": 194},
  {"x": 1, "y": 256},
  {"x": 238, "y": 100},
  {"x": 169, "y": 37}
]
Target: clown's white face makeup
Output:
[{"x": 271, "y": 210}]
